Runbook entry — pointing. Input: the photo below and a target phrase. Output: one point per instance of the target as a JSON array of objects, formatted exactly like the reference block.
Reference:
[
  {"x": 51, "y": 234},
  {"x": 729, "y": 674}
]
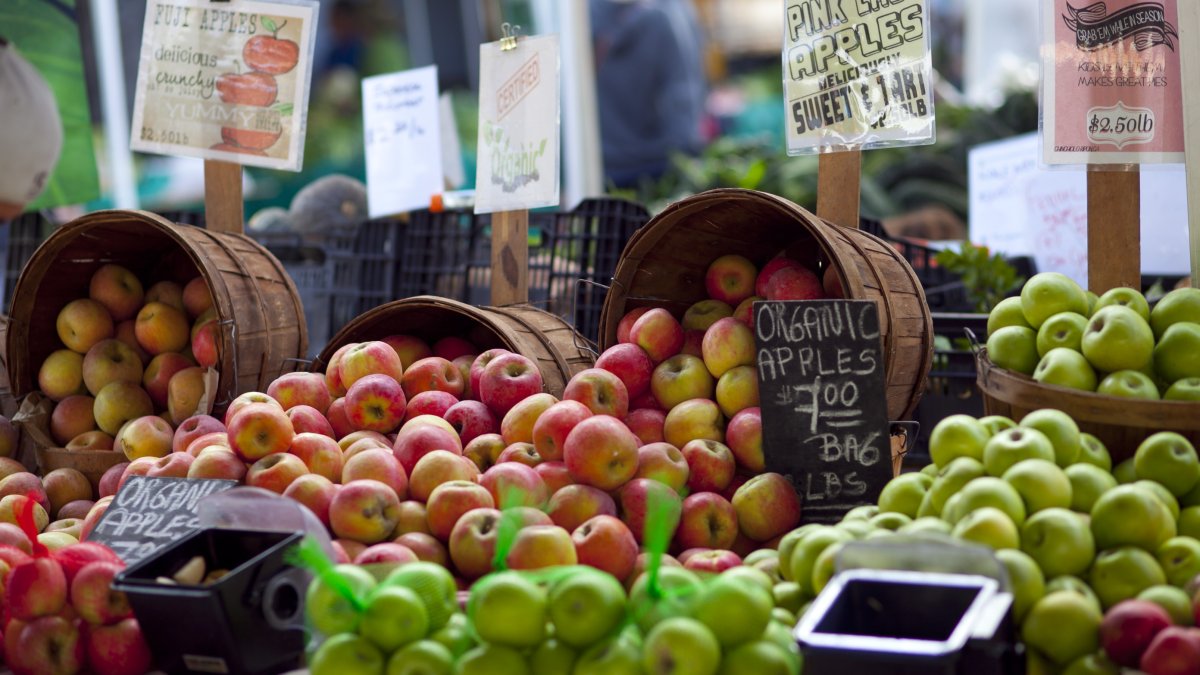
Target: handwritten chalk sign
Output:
[
  {"x": 402, "y": 139},
  {"x": 822, "y": 392},
  {"x": 147, "y": 514}
]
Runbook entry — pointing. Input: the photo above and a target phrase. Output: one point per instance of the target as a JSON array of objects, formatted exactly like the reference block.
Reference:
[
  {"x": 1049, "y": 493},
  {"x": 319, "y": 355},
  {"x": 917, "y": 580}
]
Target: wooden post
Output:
[
  {"x": 223, "y": 196},
  {"x": 510, "y": 257},
  {"x": 1114, "y": 229},
  {"x": 1189, "y": 54},
  {"x": 838, "y": 177}
]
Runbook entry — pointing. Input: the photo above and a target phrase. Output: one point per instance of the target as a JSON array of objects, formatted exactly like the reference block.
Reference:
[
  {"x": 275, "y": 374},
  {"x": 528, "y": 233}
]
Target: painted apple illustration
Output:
[
  {"x": 248, "y": 139},
  {"x": 227, "y": 147},
  {"x": 271, "y": 54},
  {"x": 252, "y": 89}
]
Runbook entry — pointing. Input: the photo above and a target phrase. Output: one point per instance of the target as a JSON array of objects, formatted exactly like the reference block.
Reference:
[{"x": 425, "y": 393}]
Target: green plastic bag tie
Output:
[{"x": 309, "y": 555}]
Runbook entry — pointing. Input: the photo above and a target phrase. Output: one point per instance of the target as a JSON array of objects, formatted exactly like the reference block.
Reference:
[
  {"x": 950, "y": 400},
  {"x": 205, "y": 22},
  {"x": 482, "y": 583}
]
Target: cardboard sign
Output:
[
  {"x": 856, "y": 74},
  {"x": 1021, "y": 208},
  {"x": 824, "y": 415},
  {"x": 1112, "y": 86},
  {"x": 518, "y": 156},
  {"x": 147, "y": 514},
  {"x": 225, "y": 80},
  {"x": 402, "y": 140}
]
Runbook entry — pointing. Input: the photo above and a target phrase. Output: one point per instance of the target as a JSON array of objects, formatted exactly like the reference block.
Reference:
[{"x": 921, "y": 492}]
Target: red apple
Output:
[
  {"x": 11, "y": 535},
  {"x": 710, "y": 465},
  {"x": 275, "y": 472},
  {"x": 601, "y": 391},
  {"x": 513, "y": 484},
  {"x": 338, "y": 420},
  {"x": 794, "y": 283},
  {"x": 368, "y": 358},
  {"x": 379, "y": 464},
  {"x": 293, "y": 389},
  {"x": 552, "y": 427},
  {"x": 220, "y": 438},
  {"x": 75, "y": 557},
  {"x": 246, "y": 399},
  {"x": 664, "y": 463},
  {"x": 77, "y": 509},
  {"x": 1128, "y": 629},
  {"x": 1174, "y": 651},
  {"x": 730, "y": 279},
  {"x": 206, "y": 343},
  {"x": 764, "y": 275},
  {"x": 478, "y": 366},
  {"x": 410, "y": 349},
  {"x": 471, "y": 419},
  {"x": 451, "y": 348},
  {"x": 433, "y": 374},
  {"x": 197, "y": 298},
  {"x": 522, "y": 453},
  {"x": 119, "y": 649},
  {"x": 708, "y": 521},
  {"x": 631, "y": 364},
  {"x": 216, "y": 461},
  {"x": 640, "y": 496},
  {"x": 600, "y": 451},
  {"x": 414, "y": 442},
  {"x": 744, "y": 436},
  {"x": 425, "y": 547},
  {"x": 90, "y": 440},
  {"x": 484, "y": 450},
  {"x": 110, "y": 480},
  {"x": 449, "y": 501},
  {"x": 554, "y": 474},
  {"x": 35, "y": 588},
  {"x": 385, "y": 552},
  {"x": 315, "y": 492},
  {"x": 307, "y": 419},
  {"x": 333, "y": 371},
  {"x": 431, "y": 402},
  {"x": 258, "y": 430},
  {"x": 192, "y": 428},
  {"x": 49, "y": 644},
  {"x": 473, "y": 542},
  {"x": 625, "y": 325},
  {"x": 92, "y": 595},
  {"x": 604, "y": 542},
  {"x": 572, "y": 505},
  {"x": 376, "y": 403},
  {"x": 413, "y": 518},
  {"x": 174, "y": 465},
  {"x": 464, "y": 363},
  {"x": 541, "y": 546},
  {"x": 643, "y": 563},
  {"x": 745, "y": 311},
  {"x": 658, "y": 333},
  {"x": 71, "y": 417},
  {"x": 508, "y": 379},
  {"x": 767, "y": 506},
  {"x": 712, "y": 561},
  {"x": 646, "y": 424},
  {"x": 25, "y": 484},
  {"x": 319, "y": 453},
  {"x": 365, "y": 511}
]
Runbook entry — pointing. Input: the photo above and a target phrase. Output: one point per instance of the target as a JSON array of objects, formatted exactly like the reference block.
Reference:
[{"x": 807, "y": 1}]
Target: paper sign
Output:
[
  {"x": 225, "y": 80},
  {"x": 452, "y": 162},
  {"x": 856, "y": 74},
  {"x": 824, "y": 417},
  {"x": 402, "y": 140},
  {"x": 518, "y": 157},
  {"x": 147, "y": 514},
  {"x": 1112, "y": 90},
  {"x": 1019, "y": 208}
]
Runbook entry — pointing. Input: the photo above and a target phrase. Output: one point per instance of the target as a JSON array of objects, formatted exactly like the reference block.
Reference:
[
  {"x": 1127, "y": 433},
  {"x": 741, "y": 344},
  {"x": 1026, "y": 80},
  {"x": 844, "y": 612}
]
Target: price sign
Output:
[
  {"x": 147, "y": 514},
  {"x": 1112, "y": 83},
  {"x": 226, "y": 81},
  {"x": 824, "y": 416},
  {"x": 402, "y": 140}
]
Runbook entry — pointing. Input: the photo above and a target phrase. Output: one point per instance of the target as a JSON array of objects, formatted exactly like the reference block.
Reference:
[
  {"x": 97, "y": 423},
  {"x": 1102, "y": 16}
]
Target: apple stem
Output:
[{"x": 275, "y": 33}]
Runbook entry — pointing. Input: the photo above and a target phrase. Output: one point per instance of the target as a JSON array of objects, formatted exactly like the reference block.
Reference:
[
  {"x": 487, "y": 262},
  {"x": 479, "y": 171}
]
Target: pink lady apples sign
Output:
[{"x": 1113, "y": 91}]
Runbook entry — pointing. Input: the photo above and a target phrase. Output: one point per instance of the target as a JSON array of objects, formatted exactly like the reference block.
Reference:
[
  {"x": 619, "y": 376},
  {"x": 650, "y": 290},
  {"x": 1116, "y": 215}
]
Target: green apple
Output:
[
  {"x": 1049, "y": 293},
  {"x": 1187, "y": 389},
  {"x": 619, "y": 655},
  {"x": 988, "y": 526},
  {"x": 1092, "y": 299},
  {"x": 804, "y": 558},
  {"x": 1174, "y": 600},
  {"x": 1130, "y": 515},
  {"x": 903, "y": 494},
  {"x": 1188, "y": 523},
  {"x": 1180, "y": 305},
  {"x": 1088, "y": 482},
  {"x": 950, "y": 479},
  {"x": 825, "y": 567},
  {"x": 1164, "y": 495},
  {"x": 1007, "y": 312},
  {"x": 1074, "y": 585},
  {"x": 1063, "y": 626},
  {"x": 1122, "y": 573},
  {"x": 1191, "y": 497},
  {"x": 783, "y": 616},
  {"x": 492, "y": 659},
  {"x": 996, "y": 423},
  {"x": 760, "y": 554},
  {"x": 1036, "y": 664},
  {"x": 757, "y": 657},
  {"x": 1066, "y": 368},
  {"x": 927, "y": 508},
  {"x": 456, "y": 635},
  {"x": 346, "y": 653},
  {"x": 927, "y": 524},
  {"x": 1092, "y": 664},
  {"x": 930, "y": 469},
  {"x": 1025, "y": 578},
  {"x": 423, "y": 657},
  {"x": 857, "y": 528},
  {"x": 1059, "y": 541},
  {"x": 1117, "y": 338},
  {"x": 957, "y": 436},
  {"x": 1092, "y": 451},
  {"x": 681, "y": 586},
  {"x": 1169, "y": 459},
  {"x": 1014, "y": 348},
  {"x": 1177, "y": 355},
  {"x": 328, "y": 610},
  {"x": 788, "y": 595},
  {"x": 1009, "y": 447},
  {"x": 1125, "y": 297},
  {"x": 992, "y": 491},
  {"x": 1061, "y": 330},
  {"x": 1179, "y": 558},
  {"x": 1041, "y": 483},
  {"x": 1062, "y": 431},
  {"x": 508, "y": 609},
  {"x": 889, "y": 521},
  {"x": 782, "y": 636},
  {"x": 394, "y": 617},
  {"x": 1125, "y": 473},
  {"x": 680, "y": 646},
  {"x": 433, "y": 584},
  {"x": 1129, "y": 384},
  {"x": 864, "y": 512},
  {"x": 552, "y": 657},
  {"x": 749, "y": 575},
  {"x": 788, "y": 543},
  {"x": 879, "y": 533},
  {"x": 733, "y": 610},
  {"x": 953, "y": 511},
  {"x": 586, "y": 606}
]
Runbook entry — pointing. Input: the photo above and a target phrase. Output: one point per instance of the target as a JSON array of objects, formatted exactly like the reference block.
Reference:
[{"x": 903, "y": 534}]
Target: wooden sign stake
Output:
[
  {"x": 1114, "y": 229},
  {"x": 223, "y": 196},
  {"x": 838, "y": 178},
  {"x": 510, "y": 257}
]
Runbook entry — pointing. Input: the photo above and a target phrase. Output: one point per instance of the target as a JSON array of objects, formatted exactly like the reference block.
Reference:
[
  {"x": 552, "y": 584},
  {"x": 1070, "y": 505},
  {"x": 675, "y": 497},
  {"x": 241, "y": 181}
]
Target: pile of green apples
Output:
[
  {"x": 1114, "y": 344},
  {"x": 1076, "y": 536}
]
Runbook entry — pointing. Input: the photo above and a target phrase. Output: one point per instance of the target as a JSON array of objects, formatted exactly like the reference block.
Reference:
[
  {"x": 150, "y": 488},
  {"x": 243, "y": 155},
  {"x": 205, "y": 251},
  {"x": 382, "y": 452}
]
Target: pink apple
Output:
[
  {"x": 430, "y": 403},
  {"x": 602, "y": 452},
  {"x": 197, "y": 298},
  {"x": 664, "y": 463},
  {"x": 118, "y": 649},
  {"x": 414, "y": 442},
  {"x": 794, "y": 283},
  {"x": 92, "y": 597},
  {"x": 246, "y": 399},
  {"x": 410, "y": 349},
  {"x": 631, "y": 364},
  {"x": 36, "y": 588},
  {"x": 94, "y": 516},
  {"x": 640, "y": 496},
  {"x": 192, "y": 428},
  {"x": 1174, "y": 651},
  {"x": 1128, "y": 629},
  {"x": 206, "y": 343},
  {"x": 473, "y": 542},
  {"x": 333, "y": 371},
  {"x": 745, "y": 311},
  {"x": 349, "y": 548},
  {"x": 215, "y": 461},
  {"x": 118, "y": 290},
  {"x": 604, "y": 542},
  {"x": 110, "y": 479},
  {"x": 174, "y": 465},
  {"x": 338, "y": 420},
  {"x": 205, "y": 440},
  {"x": 554, "y": 474},
  {"x": 572, "y": 505},
  {"x": 413, "y": 518},
  {"x": 693, "y": 343},
  {"x": 436, "y": 468},
  {"x": 368, "y": 358},
  {"x": 425, "y": 547},
  {"x": 451, "y": 348},
  {"x": 463, "y": 363},
  {"x": 697, "y": 418},
  {"x": 767, "y": 506},
  {"x": 25, "y": 484},
  {"x": 625, "y": 325},
  {"x": 376, "y": 403},
  {"x": 379, "y": 464},
  {"x": 712, "y": 561},
  {"x": 658, "y": 333},
  {"x": 478, "y": 366},
  {"x": 507, "y": 380},
  {"x": 517, "y": 424},
  {"x": 744, "y": 437},
  {"x": 449, "y": 501},
  {"x": 514, "y": 484},
  {"x": 708, "y": 521},
  {"x": 710, "y": 465},
  {"x": 275, "y": 472},
  {"x": 91, "y": 440},
  {"x": 293, "y": 389},
  {"x": 646, "y": 424},
  {"x": 647, "y": 401},
  {"x": 552, "y": 427},
  {"x": 71, "y": 417},
  {"x": 77, "y": 509},
  {"x": 470, "y": 420},
  {"x": 307, "y": 419},
  {"x": 385, "y": 552},
  {"x": 49, "y": 644},
  {"x": 138, "y": 467},
  {"x": 728, "y": 343},
  {"x": 541, "y": 546},
  {"x": 315, "y": 492},
  {"x": 522, "y": 453},
  {"x": 730, "y": 279},
  {"x": 365, "y": 510},
  {"x": 11, "y": 535},
  {"x": 433, "y": 374},
  {"x": 601, "y": 391},
  {"x": 158, "y": 375},
  {"x": 258, "y": 430},
  {"x": 738, "y": 481},
  {"x": 764, "y": 275},
  {"x": 484, "y": 450}
]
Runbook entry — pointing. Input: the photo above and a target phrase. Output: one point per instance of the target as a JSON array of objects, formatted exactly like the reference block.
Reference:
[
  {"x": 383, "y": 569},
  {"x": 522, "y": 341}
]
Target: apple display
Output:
[{"x": 506, "y": 380}]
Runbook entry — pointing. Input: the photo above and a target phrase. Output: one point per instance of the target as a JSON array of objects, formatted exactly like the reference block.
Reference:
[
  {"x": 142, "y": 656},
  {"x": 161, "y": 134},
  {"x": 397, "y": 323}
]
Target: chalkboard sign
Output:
[
  {"x": 149, "y": 513},
  {"x": 823, "y": 399}
]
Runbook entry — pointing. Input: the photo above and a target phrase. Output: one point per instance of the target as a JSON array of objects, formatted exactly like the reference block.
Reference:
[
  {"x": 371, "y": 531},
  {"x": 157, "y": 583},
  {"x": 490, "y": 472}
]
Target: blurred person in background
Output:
[
  {"x": 650, "y": 85},
  {"x": 31, "y": 134}
]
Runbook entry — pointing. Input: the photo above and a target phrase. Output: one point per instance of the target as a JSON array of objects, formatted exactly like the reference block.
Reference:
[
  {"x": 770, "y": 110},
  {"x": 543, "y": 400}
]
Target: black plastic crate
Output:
[
  {"x": 25, "y": 233},
  {"x": 950, "y": 389}
]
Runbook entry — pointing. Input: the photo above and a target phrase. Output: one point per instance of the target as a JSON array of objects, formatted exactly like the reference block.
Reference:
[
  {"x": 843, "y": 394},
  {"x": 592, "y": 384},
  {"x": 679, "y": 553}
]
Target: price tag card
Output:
[
  {"x": 147, "y": 514},
  {"x": 824, "y": 415},
  {"x": 1111, "y": 84},
  {"x": 225, "y": 80},
  {"x": 517, "y": 166},
  {"x": 402, "y": 140},
  {"x": 856, "y": 74}
]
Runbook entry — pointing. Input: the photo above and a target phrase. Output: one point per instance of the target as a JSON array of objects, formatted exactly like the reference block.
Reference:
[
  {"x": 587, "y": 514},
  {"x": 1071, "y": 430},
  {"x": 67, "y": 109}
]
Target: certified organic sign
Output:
[
  {"x": 518, "y": 126},
  {"x": 856, "y": 74},
  {"x": 1112, "y": 83},
  {"x": 225, "y": 80}
]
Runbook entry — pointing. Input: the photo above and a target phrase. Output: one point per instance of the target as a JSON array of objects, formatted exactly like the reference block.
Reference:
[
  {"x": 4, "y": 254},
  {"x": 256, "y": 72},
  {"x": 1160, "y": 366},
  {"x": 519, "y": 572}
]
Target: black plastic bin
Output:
[
  {"x": 246, "y": 622},
  {"x": 951, "y": 387}
]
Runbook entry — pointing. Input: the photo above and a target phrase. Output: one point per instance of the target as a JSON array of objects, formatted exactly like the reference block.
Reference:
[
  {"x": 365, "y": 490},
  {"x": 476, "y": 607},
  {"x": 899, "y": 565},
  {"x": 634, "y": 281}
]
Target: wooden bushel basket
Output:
[
  {"x": 1120, "y": 423},
  {"x": 546, "y": 339}
]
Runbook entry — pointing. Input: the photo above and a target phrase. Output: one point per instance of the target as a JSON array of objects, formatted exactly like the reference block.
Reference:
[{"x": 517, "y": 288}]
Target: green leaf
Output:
[
  {"x": 284, "y": 109},
  {"x": 269, "y": 24}
]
